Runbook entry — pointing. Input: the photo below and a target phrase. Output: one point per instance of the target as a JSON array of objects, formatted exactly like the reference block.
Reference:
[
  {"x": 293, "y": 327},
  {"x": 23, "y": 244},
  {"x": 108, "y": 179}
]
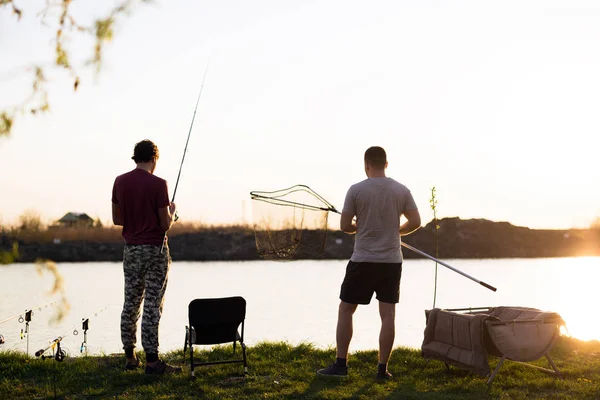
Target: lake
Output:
[{"x": 294, "y": 301}]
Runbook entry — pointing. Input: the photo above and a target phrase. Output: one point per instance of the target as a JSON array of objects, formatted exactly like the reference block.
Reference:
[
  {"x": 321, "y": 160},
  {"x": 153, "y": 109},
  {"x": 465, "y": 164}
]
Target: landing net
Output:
[{"x": 290, "y": 224}]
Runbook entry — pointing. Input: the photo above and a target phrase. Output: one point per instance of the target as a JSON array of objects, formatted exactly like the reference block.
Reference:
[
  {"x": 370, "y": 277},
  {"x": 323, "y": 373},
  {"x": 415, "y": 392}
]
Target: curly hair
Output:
[{"x": 145, "y": 151}]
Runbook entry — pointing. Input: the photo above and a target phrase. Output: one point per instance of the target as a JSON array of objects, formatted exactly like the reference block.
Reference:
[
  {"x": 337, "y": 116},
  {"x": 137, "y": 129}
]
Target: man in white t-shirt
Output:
[{"x": 377, "y": 202}]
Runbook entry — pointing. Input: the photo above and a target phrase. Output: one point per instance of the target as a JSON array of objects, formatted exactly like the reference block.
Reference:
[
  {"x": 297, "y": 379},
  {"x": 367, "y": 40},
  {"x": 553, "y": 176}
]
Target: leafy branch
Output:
[
  {"x": 63, "y": 23},
  {"x": 42, "y": 266},
  {"x": 8, "y": 257}
]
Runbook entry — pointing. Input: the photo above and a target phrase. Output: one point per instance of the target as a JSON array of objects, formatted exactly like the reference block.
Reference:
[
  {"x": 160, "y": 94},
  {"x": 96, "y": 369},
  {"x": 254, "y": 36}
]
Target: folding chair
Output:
[{"x": 216, "y": 321}]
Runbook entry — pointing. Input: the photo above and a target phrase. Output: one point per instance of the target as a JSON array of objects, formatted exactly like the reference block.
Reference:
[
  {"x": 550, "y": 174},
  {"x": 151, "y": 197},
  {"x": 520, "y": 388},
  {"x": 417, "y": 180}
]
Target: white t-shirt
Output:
[{"x": 378, "y": 204}]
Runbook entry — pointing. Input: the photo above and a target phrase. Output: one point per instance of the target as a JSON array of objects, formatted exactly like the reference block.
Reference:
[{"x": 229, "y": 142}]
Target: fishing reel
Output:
[
  {"x": 59, "y": 355},
  {"x": 2, "y": 341}
]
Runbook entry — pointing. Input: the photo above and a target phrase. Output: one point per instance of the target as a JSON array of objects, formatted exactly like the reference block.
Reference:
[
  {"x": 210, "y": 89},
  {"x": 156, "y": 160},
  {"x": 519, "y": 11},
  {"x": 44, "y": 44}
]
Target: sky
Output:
[{"x": 495, "y": 104}]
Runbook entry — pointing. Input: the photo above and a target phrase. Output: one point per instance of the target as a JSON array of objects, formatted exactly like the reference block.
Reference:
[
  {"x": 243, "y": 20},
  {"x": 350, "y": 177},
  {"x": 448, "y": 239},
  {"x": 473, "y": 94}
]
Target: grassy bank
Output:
[{"x": 279, "y": 370}]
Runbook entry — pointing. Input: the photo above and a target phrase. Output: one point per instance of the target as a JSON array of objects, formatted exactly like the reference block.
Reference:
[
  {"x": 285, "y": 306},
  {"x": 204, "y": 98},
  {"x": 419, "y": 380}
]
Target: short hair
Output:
[
  {"x": 145, "y": 151},
  {"x": 375, "y": 156}
]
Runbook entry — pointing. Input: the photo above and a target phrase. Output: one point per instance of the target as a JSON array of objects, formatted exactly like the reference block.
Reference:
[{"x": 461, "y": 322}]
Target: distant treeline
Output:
[{"x": 473, "y": 238}]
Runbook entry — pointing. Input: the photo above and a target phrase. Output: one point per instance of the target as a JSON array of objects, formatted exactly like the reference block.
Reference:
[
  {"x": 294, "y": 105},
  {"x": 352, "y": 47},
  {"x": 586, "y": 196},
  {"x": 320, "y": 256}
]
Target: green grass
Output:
[{"x": 280, "y": 370}]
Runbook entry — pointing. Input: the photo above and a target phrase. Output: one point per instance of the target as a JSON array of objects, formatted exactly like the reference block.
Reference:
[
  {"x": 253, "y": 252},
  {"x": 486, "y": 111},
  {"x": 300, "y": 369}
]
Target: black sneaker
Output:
[
  {"x": 384, "y": 377},
  {"x": 334, "y": 370}
]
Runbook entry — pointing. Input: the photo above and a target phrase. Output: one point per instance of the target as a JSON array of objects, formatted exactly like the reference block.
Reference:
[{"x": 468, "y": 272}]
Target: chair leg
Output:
[
  {"x": 234, "y": 348},
  {"x": 192, "y": 360},
  {"x": 556, "y": 371},
  {"x": 496, "y": 370},
  {"x": 245, "y": 358},
  {"x": 185, "y": 343}
]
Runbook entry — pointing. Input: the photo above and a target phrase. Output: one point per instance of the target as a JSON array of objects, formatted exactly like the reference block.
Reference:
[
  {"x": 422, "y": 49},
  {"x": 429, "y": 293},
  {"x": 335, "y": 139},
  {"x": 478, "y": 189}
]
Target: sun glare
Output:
[{"x": 578, "y": 297}]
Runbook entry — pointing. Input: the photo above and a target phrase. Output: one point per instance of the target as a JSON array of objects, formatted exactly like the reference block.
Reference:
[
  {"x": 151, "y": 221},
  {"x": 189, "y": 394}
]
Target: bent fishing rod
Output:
[
  {"x": 331, "y": 208},
  {"x": 185, "y": 149},
  {"x": 60, "y": 354}
]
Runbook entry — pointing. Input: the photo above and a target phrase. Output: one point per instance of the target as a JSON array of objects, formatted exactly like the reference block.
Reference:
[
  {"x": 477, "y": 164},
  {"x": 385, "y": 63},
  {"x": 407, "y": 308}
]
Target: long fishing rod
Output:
[
  {"x": 58, "y": 353},
  {"x": 185, "y": 149},
  {"x": 408, "y": 246},
  {"x": 21, "y": 316}
]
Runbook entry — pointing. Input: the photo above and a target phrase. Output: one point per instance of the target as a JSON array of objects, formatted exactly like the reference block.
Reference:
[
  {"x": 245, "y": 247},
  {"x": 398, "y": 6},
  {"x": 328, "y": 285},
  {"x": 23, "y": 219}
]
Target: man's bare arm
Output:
[
  {"x": 116, "y": 215},
  {"x": 166, "y": 216},
  {"x": 347, "y": 224},
  {"x": 413, "y": 222},
  {"x": 165, "y": 219}
]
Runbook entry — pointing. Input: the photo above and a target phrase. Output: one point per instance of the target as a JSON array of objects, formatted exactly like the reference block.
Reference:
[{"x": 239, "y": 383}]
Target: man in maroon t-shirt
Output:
[{"x": 140, "y": 203}]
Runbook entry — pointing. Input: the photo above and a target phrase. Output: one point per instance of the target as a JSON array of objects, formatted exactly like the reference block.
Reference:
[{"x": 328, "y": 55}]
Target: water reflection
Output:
[{"x": 297, "y": 301}]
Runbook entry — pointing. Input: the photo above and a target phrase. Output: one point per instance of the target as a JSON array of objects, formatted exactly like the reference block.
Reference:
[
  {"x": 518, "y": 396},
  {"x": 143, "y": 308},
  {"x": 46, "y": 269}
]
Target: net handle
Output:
[{"x": 485, "y": 285}]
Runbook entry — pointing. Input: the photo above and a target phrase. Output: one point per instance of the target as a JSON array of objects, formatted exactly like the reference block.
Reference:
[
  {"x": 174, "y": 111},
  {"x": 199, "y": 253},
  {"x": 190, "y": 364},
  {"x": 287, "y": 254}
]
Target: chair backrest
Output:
[{"x": 216, "y": 320}]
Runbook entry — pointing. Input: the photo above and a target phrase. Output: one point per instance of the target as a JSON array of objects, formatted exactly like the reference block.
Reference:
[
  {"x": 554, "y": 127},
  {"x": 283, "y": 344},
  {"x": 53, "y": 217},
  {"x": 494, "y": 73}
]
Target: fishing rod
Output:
[
  {"x": 408, "y": 246},
  {"x": 58, "y": 353},
  {"x": 185, "y": 149},
  {"x": 28, "y": 310},
  {"x": 25, "y": 317}
]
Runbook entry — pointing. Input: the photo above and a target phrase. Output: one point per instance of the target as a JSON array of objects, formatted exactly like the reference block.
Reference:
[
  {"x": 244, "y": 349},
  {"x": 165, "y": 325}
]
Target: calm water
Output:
[{"x": 295, "y": 301}]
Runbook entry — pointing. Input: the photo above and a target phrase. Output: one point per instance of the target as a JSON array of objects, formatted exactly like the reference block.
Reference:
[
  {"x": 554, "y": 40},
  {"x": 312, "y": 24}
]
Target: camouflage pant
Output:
[{"x": 146, "y": 271}]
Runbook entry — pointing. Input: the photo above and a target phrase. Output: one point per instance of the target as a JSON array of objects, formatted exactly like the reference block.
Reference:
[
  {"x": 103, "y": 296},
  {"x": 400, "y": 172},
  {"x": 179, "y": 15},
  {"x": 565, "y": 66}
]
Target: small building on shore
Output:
[{"x": 75, "y": 219}]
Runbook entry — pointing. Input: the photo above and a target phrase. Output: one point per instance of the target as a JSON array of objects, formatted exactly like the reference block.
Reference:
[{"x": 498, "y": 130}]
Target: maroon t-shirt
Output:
[{"x": 139, "y": 195}]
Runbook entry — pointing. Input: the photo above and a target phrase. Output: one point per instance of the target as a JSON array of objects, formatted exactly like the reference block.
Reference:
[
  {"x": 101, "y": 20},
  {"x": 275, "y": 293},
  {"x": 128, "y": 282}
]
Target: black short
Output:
[{"x": 365, "y": 278}]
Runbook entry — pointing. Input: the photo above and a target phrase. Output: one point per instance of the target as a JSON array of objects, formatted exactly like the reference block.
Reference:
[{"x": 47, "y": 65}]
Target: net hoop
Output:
[
  {"x": 290, "y": 223},
  {"x": 275, "y": 197}
]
